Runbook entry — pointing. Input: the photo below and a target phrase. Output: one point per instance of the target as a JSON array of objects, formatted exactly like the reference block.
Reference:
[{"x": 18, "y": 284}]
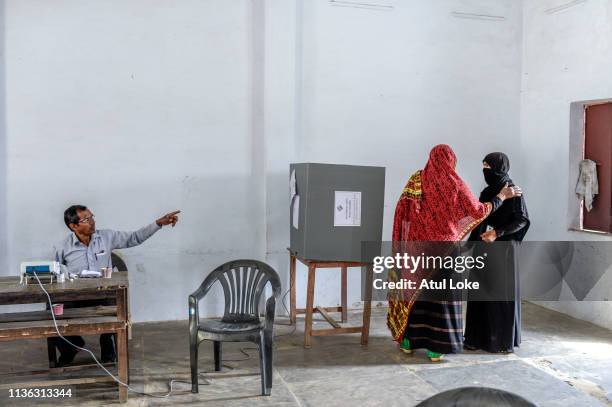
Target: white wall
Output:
[
  {"x": 3, "y": 166},
  {"x": 280, "y": 68},
  {"x": 135, "y": 109},
  {"x": 567, "y": 56},
  {"x": 383, "y": 86}
]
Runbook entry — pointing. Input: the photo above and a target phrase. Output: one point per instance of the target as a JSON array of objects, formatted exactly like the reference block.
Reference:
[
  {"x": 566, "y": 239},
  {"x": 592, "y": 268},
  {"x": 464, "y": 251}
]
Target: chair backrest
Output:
[
  {"x": 243, "y": 283},
  {"x": 118, "y": 262}
]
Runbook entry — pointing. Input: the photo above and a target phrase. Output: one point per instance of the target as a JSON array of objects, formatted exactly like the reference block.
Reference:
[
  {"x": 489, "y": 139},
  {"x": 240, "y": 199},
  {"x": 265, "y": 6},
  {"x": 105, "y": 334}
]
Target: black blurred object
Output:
[
  {"x": 69, "y": 352},
  {"x": 476, "y": 397}
]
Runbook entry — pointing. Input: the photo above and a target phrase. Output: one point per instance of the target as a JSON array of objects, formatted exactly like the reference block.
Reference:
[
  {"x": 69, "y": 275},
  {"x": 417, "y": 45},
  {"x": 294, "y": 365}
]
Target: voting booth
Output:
[{"x": 333, "y": 208}]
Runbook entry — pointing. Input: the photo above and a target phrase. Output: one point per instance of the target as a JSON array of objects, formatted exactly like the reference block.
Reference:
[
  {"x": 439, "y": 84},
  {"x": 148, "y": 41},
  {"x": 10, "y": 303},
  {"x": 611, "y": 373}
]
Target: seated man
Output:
[{"x": 89, "y": 249}]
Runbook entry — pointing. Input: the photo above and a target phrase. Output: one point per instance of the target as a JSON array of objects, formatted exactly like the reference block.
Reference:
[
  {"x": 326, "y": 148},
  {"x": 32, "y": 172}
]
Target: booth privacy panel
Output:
[{"x": 333, "y": 208}]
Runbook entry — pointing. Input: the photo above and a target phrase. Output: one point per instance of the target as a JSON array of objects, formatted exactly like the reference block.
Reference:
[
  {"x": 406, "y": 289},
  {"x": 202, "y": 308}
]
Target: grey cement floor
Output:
[{"x": 562, "y": 362}]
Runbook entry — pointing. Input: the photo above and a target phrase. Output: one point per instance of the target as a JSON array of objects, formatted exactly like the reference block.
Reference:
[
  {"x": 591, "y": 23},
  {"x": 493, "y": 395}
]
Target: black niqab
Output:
[{"x": 497, "y": 176}]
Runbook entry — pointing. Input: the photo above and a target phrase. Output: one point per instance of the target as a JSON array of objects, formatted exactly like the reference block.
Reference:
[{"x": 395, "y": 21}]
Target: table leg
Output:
[
  {"x": 309, "y": 306},
  {"x": 122, "y": 307},
  {"x": 122, "y": 360},
  {"x": 343, "y": 295},
  {"x": 292, "y": 293},
  {"x": 123, "y": 314},
  {"x": 367, "y": 305},
  {"x": 128, "y": 334}
]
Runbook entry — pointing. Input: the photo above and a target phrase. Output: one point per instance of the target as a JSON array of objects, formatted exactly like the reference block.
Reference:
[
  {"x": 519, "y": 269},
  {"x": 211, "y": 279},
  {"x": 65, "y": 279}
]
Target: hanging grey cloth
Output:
[{"x": 587, "y": 186}]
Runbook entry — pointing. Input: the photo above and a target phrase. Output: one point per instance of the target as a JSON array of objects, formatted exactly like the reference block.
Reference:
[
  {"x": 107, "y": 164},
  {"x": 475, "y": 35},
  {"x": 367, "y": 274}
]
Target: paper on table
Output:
[
  {"x": 89, "y": 273},
  {"x": 292, "y": 185},
  {"x": 295, "y": 216},
  {"x": 347, "y": 208}
]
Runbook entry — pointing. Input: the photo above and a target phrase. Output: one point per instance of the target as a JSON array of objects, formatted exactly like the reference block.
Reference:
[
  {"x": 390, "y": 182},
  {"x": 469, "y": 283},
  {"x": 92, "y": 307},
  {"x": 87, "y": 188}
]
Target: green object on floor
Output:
[
  {"x": 433, "y": 355},
  {"x": 405, "y": 343}
]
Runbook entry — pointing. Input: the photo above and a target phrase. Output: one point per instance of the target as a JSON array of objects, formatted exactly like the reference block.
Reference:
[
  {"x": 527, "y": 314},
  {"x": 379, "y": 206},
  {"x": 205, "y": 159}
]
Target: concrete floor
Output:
[{"x": 562, "y": 362}]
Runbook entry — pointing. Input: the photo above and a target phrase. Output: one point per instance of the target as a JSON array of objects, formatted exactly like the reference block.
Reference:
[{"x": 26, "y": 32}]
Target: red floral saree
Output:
[{"x": 436, "y": 205}]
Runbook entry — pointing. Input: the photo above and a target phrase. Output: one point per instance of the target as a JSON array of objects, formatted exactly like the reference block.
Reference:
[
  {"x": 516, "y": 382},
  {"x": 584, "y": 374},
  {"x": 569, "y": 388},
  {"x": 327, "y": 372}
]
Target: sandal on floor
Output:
[
  {"x": 434, "y": 357},
  {"x": 405, "y": 346}
]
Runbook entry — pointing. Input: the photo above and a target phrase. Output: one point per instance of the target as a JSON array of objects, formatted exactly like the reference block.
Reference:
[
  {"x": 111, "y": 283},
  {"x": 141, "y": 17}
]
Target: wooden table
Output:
[
  {"x": 336, "y": 329},
  {"x": 75, "y": 321}
]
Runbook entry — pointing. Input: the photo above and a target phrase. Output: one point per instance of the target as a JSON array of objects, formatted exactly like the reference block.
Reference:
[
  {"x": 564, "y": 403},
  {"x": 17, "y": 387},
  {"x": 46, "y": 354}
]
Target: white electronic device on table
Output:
[{"x": 46, "y": 271}]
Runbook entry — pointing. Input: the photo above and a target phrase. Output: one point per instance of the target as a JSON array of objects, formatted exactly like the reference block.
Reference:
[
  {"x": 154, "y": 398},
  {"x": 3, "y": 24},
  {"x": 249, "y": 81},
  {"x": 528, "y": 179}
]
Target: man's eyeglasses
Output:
[{"x": 88, "y": 219}]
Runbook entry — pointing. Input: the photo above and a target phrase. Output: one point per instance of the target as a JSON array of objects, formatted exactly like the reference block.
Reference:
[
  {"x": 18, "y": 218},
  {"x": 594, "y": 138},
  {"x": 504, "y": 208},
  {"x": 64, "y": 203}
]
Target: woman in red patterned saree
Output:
[{"x": 436, "y": 205}]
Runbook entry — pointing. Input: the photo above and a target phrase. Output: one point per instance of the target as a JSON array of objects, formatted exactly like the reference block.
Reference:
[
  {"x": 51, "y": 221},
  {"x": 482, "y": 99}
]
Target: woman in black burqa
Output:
[{"x": 493, "y": 325}]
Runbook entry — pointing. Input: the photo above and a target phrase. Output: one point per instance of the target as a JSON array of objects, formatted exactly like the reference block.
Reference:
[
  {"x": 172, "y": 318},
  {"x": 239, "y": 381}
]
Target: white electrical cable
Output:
[{"x": 170, "y": 383}]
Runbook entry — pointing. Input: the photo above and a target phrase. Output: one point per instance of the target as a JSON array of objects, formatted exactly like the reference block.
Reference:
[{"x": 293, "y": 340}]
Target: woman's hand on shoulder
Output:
[{"x": 509, "y": 192}]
